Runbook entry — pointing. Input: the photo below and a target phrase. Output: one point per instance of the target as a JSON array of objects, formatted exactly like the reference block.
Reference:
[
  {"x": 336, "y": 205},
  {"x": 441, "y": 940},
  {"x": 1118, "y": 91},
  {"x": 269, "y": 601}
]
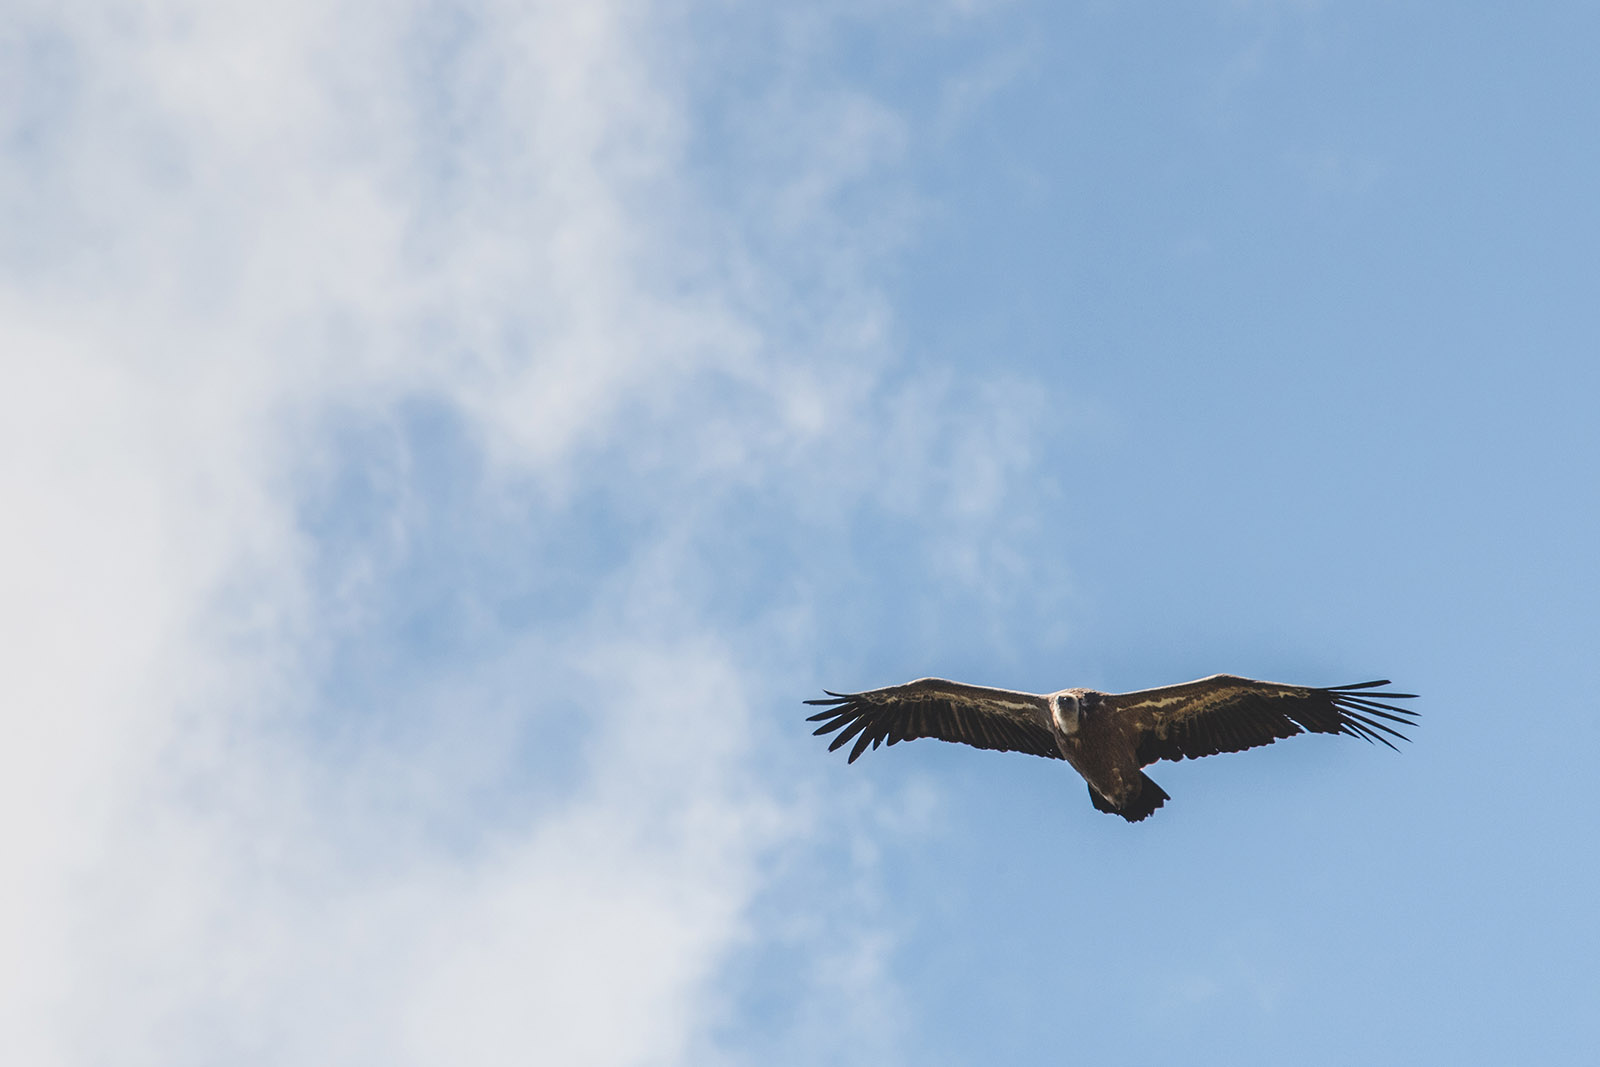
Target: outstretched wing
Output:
[
  {"x": 1227, "y": 714},
  {"x": 932, "y": 707}
]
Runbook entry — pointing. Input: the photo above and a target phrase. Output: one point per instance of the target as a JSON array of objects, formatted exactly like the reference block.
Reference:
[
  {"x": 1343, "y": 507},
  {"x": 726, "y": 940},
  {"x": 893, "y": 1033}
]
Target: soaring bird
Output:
[{"x": 1108, "y": 737}]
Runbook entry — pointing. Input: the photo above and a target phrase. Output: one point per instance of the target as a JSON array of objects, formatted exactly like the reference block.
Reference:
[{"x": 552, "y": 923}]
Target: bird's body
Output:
[{"x": 1109, "y": 737}]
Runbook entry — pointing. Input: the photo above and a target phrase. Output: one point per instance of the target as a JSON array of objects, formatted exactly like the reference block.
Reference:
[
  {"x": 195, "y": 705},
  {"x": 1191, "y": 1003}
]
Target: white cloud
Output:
[{"x": 250, "y": 223}]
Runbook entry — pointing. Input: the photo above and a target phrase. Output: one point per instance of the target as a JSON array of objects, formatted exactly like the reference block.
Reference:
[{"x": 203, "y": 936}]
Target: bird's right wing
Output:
[
  {"x": 1225, "y": 713},
  {"x": 932, "y": 707}
]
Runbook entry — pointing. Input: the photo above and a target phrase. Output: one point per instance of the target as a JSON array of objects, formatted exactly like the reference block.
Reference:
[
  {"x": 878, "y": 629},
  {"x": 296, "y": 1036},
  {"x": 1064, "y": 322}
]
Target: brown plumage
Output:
[{"x": 1108, "y": 737}]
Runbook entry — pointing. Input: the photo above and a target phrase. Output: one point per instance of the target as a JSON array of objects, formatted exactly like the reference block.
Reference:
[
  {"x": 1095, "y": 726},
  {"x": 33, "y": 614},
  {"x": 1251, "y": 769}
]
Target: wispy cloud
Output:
[{"x": 386, "y": 389}]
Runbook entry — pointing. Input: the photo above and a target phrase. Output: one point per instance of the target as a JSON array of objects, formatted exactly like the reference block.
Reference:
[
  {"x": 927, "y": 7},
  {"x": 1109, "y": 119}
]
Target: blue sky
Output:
[{"x": 451, "y": 439}]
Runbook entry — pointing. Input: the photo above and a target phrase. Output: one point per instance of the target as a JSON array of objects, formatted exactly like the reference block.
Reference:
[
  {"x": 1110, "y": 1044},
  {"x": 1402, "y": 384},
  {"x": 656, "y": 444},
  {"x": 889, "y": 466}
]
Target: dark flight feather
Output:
[
  {"x": 931, "y": 707},
  {"x": 1228, "y": 714}
]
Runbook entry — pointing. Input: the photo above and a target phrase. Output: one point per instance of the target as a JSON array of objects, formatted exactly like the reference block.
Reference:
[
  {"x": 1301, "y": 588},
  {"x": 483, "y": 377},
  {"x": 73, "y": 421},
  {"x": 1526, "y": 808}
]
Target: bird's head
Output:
[{"x": 1065, "y": 711}]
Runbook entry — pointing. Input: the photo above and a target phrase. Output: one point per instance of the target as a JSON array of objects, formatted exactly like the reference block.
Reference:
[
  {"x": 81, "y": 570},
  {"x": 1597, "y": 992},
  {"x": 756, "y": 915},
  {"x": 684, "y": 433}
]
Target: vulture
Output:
[{"x": 1109, "y": 737}]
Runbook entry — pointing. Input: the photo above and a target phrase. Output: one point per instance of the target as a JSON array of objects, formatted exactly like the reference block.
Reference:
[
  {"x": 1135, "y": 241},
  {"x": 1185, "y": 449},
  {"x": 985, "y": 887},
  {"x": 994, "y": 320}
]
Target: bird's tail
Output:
[{"x": 1139, "y": 806}]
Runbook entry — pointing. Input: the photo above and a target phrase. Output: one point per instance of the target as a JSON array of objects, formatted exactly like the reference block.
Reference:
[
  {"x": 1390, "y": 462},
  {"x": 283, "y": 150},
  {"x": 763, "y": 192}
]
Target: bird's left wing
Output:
[
  {"x": 1224, "y": 713},
  {"x": 932, "y": 707}
]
